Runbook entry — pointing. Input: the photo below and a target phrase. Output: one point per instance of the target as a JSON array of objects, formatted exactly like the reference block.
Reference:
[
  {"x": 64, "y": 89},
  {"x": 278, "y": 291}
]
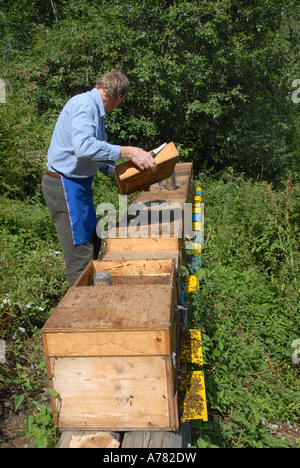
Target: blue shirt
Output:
[{"x": 79, "y": 145}]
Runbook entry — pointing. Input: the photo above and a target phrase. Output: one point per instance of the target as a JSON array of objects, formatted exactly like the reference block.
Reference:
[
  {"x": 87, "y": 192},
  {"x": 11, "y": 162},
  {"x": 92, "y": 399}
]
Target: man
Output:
[{"x": 77, "y": 151}]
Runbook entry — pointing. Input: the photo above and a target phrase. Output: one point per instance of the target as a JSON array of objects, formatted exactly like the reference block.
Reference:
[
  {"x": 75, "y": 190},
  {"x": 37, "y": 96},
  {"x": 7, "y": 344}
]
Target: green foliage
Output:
[
  {"x": 248, "y": 309},
  {"x": 213, "y": 76},
  {"x": 32, "y": 273},
  {"x": 23, "y": 140},
  {"x": 40, "y": 427},
  {"x": 32, "y": 280}
]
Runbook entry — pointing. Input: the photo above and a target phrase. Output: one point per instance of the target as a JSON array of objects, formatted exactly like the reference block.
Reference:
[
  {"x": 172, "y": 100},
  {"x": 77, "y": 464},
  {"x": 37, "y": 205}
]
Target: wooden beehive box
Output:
[
  {"x": 110, "y": 349},
  {"x": 147, "y": 232},
  {"x": 131, "y": 179}
]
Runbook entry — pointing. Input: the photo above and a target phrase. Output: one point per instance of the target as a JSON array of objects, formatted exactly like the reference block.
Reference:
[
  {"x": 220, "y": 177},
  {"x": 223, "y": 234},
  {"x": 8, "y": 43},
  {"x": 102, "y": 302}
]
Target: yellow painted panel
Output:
[
  {"x": 193, "y": 403},
  {"x": 192, "y": 284},
  {"x": 197, "y": 226},
  {"x": 191, "y": 347},
  {"x": 197, "y": 208}
]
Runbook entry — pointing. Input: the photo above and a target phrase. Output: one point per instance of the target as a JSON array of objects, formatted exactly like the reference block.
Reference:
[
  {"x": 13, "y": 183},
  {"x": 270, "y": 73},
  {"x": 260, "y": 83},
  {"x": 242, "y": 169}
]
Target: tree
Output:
[{"x": 211, "y": 76}]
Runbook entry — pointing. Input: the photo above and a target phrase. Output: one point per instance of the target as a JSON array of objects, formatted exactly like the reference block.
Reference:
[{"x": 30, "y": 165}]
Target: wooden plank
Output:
[
  {"x": 161, "y": 439},
  {"x": 145, "y": 255},
  {"x": 141, "y": 280},
  {"x": 107, "y": 343},
  {"x": 143, "y": 244},
  {"x": 178, "y": 195},
  {"x": 112, "y": 393},
  {"x": 131, "y": 179}
]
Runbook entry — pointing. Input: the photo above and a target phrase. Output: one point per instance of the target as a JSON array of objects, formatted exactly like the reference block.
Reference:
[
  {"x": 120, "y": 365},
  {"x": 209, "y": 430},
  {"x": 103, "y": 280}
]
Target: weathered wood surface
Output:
[
  {"x": 108, "y": 354},
  {"x": 115, "y": 393},
  {"x": 109, "y": 343},
  {"x": 137, "y": 271},
  {"x": 146, "y": 243},
  {"x": 111, "y": 308},
  {"x": 162, "y": 439},
  {"x": 146, "y": 255}
]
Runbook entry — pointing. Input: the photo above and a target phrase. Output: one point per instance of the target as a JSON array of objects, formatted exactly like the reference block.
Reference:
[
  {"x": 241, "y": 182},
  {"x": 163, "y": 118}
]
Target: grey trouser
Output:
[{"x": 76, "y": 256}]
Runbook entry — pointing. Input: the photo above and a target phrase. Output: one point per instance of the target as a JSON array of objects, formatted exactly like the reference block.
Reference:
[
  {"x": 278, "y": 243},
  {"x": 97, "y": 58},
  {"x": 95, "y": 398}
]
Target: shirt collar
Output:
[{"x": 98, "y": 101}]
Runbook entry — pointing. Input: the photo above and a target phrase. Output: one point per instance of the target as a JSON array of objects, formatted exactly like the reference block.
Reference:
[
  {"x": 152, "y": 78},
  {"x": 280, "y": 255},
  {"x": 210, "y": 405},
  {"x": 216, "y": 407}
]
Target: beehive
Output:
[
  {"x": 155, "y": 222},
  {"x": 111, "y": 350}
]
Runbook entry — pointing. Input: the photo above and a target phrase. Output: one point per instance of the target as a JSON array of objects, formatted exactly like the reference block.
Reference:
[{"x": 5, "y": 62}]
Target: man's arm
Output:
[
  {"x": 85, "y": 143},
  {"x": 87, "y": 146}
]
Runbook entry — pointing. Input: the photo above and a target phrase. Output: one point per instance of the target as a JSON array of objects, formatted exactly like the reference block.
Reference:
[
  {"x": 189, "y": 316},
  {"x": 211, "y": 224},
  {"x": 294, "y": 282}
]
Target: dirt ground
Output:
[{"x": 12, "y": 427}]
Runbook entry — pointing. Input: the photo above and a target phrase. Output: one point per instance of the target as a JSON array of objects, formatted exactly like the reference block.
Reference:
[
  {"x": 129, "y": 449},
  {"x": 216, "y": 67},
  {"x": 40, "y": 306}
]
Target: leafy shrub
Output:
[
  {"x": 203, "y": 75},
  {"x": 248, "y": 309},
  {"x": 31, "y": 269}
]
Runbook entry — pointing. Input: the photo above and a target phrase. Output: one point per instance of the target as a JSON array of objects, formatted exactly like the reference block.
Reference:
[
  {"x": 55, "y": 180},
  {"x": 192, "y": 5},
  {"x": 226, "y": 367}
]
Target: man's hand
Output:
[{"x": 139, "y": 157}]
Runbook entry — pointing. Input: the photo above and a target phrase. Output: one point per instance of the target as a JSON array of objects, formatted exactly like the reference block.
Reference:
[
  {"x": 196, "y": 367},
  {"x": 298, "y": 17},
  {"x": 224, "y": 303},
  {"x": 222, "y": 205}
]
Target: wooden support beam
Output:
[
  {"x": 129, "y": 440},
  {"x": 162, "y": 439}
]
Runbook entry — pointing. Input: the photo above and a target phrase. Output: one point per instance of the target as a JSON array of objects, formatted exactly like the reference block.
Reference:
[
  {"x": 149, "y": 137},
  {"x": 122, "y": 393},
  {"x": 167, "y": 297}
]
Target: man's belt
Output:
[{"x": 53, "y": 174}]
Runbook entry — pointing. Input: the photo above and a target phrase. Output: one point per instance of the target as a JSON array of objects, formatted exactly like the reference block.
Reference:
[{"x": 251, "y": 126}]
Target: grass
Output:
[{"x": 248, "y": 311}]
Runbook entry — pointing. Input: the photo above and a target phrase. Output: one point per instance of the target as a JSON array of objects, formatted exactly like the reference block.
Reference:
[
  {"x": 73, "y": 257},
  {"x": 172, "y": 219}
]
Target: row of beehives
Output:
[{"x": 113, "y": 350}]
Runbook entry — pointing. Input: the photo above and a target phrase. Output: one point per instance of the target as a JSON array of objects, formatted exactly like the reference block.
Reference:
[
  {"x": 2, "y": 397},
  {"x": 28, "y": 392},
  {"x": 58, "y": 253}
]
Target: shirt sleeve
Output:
[{"x": 83, "y": 132}]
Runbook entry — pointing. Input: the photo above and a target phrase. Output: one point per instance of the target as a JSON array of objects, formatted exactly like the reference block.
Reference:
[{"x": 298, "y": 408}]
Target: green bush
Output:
[
  {"x": 214, "y": 77},
  {"x": 248, "y": 309},
  {"x": 32, "y": 275},
  {"x": 211, "y": 76}
]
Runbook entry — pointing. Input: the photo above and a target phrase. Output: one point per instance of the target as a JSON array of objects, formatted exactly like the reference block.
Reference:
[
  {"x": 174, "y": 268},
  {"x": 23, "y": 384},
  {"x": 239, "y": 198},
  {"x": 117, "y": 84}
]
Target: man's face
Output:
[{"x": 113, "y": 103}]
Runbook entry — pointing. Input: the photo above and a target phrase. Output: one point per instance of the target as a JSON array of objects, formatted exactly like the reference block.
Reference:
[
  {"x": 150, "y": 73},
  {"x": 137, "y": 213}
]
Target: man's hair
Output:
[{"x": 114, "y": 83}]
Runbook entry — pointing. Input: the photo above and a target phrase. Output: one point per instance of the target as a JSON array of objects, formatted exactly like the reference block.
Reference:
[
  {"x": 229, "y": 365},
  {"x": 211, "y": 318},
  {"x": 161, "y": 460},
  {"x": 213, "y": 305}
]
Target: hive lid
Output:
[
  {"x": 131, "y": 179},
  {"x": 113, "y": 308}
]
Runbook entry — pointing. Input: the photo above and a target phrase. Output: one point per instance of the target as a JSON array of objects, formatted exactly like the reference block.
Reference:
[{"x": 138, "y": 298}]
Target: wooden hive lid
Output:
[
  {"x": 131, "y": 179},
  {"x": 114, "y": 308}
]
